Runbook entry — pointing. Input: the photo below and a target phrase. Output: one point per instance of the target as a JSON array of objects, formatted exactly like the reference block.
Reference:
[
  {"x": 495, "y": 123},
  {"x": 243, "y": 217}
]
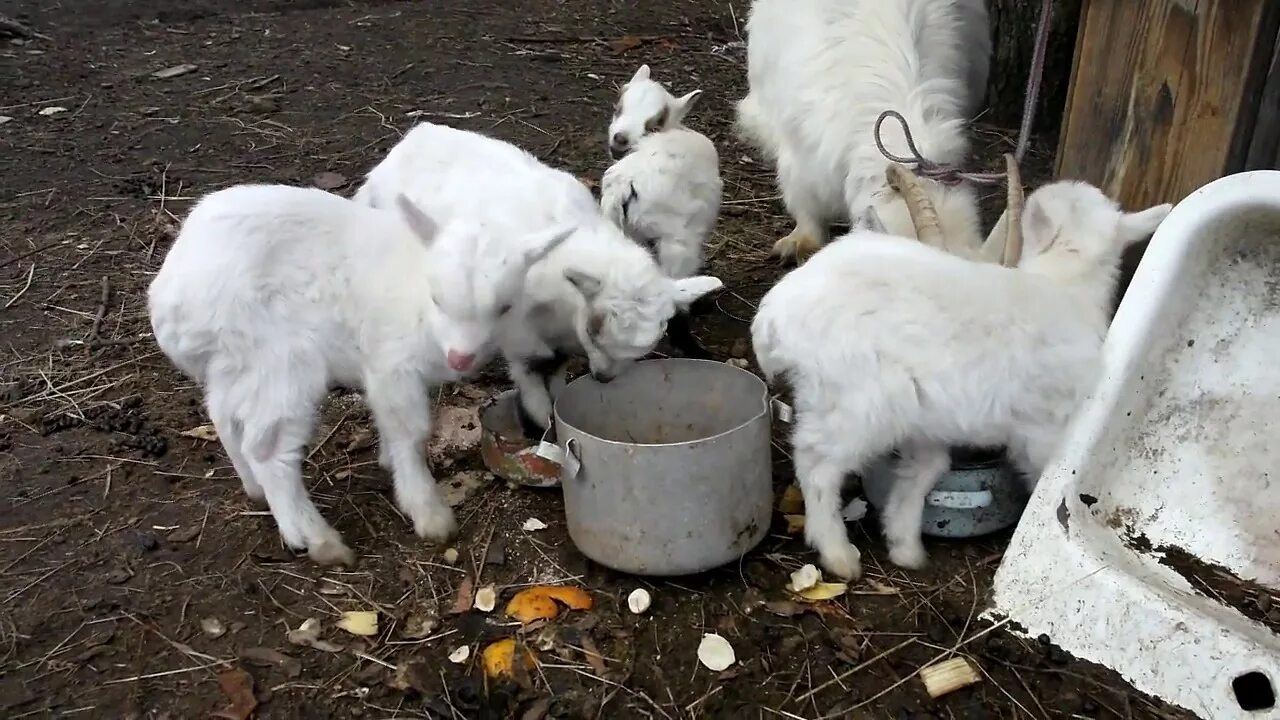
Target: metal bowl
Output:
[
  {"x": 506, "y": 451},
  {"x": 981, "y": 494}
]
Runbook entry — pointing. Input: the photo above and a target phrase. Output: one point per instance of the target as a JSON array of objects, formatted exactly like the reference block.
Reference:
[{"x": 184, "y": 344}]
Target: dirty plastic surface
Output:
[{"x": 1175, "y": 455}]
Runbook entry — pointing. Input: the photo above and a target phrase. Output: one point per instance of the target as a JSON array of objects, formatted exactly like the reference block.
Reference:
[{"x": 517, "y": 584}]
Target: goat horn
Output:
[
  {"x": 923, "y": 215},
  {"x": 1013, "y": 210}
]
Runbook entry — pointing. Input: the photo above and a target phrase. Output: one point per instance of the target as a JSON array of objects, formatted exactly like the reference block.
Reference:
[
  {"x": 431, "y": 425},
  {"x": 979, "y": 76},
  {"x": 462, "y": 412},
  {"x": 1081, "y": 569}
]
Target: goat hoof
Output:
[
  {"x": 797, "y": 246},
  {"x": 844, "y": 562},
  {"x": 435, "y": 524},
  {"x": 911, "y": 558},
  {"x": 331, "y": 551}
]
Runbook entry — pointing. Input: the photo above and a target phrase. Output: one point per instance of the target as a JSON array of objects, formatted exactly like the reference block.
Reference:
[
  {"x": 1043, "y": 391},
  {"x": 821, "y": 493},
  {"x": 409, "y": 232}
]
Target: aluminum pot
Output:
[
  {"x": 979, "y": 495},
  {"x": 665, "y": 470}
]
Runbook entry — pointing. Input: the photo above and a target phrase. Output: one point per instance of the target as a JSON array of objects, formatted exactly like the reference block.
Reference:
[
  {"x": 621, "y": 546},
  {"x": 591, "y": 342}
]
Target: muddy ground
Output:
[{"x": 136, "y": 580}]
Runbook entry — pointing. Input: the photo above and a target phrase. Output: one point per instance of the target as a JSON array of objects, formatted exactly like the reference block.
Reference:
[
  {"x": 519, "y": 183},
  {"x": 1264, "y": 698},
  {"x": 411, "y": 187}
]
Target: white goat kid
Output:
[
  {"x": 271, "y": 295},
  {"x": 892, "y": 343},
  {"x": 598, "y": 293},
  {"x": 664, "y": 190},
  {"x": 820, "y": 74}
]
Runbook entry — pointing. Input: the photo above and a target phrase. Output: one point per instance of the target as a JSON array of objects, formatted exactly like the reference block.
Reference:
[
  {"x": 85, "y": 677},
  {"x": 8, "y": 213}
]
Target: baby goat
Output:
[
  {"x": 821, "y": 72},
  {"x": 271, "y": 295},
  {"x": 888, "y": 342},
  {"x": 598, "y": 293},
  {"x": 664, "y": 190}
]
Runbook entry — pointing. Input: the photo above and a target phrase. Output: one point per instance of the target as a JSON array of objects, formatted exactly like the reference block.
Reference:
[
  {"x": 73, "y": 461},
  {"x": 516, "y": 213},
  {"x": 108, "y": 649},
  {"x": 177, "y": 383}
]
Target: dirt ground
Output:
[{"x": 138, "y": 581}]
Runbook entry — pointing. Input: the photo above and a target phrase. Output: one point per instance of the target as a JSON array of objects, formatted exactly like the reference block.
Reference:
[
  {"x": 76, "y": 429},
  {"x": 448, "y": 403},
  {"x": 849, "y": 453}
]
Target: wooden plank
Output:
[
  {"x": 1160, "y": 94},
  {"x": 1264, "y": 145}
]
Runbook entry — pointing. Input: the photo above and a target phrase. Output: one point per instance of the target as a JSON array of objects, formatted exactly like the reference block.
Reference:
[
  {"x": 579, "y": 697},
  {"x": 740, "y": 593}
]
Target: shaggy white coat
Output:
[
  {"x": 598, "y": 293},
  {"x": 271, "y": 295},
  {"x": 665, "y": 190},
  {"x": 822, "y": 71},
  {"x": 887, "y": 343}
]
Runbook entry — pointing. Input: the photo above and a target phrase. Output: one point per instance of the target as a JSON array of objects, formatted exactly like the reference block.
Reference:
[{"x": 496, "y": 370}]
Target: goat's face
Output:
[
  {"x": 623, "y": 320},
  {"x": 475, "y": 277},
  {"x": 644, "y": 107},
  {"x": 1075, "y": 219}
]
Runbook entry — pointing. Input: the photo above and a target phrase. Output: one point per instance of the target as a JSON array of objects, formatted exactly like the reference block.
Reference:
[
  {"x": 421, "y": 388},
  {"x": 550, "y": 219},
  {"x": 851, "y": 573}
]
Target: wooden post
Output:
[{"x": 1165, "y": 94}]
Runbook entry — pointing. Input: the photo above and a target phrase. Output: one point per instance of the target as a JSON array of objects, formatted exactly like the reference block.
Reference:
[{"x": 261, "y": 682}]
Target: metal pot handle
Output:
[
  {"x": 782, "y": 412},
  {"x": 569, "y": 458}
]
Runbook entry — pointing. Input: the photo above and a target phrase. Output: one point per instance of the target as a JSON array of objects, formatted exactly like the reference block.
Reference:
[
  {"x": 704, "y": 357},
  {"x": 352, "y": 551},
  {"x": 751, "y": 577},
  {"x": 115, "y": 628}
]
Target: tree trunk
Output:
[{"x": 1013, "y": 33}]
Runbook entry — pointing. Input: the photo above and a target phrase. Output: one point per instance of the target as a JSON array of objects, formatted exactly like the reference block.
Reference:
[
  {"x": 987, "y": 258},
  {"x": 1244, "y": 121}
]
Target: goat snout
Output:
[
  {"x": 618, "y": 145},
  {"x": 602, "y": 377},
  {"x": 460, "y": 361}
]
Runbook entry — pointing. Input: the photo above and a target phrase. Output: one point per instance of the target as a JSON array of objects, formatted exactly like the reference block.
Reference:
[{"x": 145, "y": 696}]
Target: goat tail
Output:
[
  {"x": 752, "y": 126},
  {"x": 769, "y": 347}
]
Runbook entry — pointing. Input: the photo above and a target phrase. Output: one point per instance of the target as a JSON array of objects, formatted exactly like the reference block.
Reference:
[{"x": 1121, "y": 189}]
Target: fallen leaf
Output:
[
  {"x": 308, "y": 635},
  {"x": 52, "y": 110},
  {"x": 486, "y": 598},
  {"x": 460, "y": 655},
  {"x": 823, "y": 591},
  {"x": 201, "y": 432},
  {"x": 173, "y": 72},
  {"x": 5, "y": 118},
  {"x": 451, "y": 556},
  {"x": 715, "y": 653},
  {"x": 213, "y": 627},
  {"x": 458, "y": 487},
  {"x": 533, "y": 525},
  {"x": 795, "y": 524},
  {"x": 804, "y": 578},
  {"x": 182, "y": 535},
  {"x": 420, "y": 626},
  {"x": 269, "y": 657},
  {"x": 625, "y": 43},
  {"x": 499, "y": 658},
  {"x": 360, "y": 622},
  {"x": 882, "y": 588},
  {"x": 785, "y": 608},
  {"x": 463, "y": 597},
  {"x": 594, "y": 657},
  {"x": 638, "y": 601},
  {"x": 792, "y": 501},
  {"x": 360, "y": 440},
  {"x": 855, "y": 510},
  {"x": 537, "y": 710},
  {"x": 329, "y": 180},
  {"x": 540, "y": 602},
  {"x": 237, "y": 685}
]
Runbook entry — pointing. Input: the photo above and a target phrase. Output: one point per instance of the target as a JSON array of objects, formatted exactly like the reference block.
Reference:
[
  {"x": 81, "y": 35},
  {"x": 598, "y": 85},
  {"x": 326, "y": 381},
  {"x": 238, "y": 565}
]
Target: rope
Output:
[{"x": 950, "y": 174}]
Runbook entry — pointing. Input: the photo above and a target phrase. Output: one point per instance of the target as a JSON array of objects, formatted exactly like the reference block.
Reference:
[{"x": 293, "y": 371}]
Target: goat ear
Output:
[
  {"x": 689, "y": 289},
  {"x": 683, "y": 105},
  {"x": 1037, "y": 229},
  {"x": 588, "y": 285},
  {"x": 418, "y": 221},
  {"x": 641, "y": 74},
  {"x": 540, "y": 243},
  {"x": 1141, "y": 225}
]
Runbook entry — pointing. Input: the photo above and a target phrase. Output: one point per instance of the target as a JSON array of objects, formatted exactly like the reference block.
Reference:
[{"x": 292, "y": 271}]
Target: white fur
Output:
[
  {"x": 271, "y": 295},
  {"x": 822, "y": 71},
  {"x": 890, "y": 343},
  {"x": 598, "y": 293},
  {"x": 665, "y": 191}
]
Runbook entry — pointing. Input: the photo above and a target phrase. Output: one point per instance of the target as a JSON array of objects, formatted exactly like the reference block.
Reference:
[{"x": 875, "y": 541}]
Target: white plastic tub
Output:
[{"x": 1175, "y": 456}]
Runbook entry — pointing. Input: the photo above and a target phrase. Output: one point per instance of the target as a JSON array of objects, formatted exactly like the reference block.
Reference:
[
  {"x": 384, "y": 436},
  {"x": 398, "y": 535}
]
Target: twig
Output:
[
  {"x": 30, "y": 274},
  {"x": 20, "y": 30},
  {"x": 101, "y": 312}
]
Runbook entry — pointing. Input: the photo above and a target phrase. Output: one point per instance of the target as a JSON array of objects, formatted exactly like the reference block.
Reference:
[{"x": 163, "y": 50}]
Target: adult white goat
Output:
[
  {"x": 664, "y": 190},
  {"x": 887, "y": 342},
  {"x": 598, "y": 293},
  {"x": 820, "y": 74},
  {"x": 271, "y": 295}
]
